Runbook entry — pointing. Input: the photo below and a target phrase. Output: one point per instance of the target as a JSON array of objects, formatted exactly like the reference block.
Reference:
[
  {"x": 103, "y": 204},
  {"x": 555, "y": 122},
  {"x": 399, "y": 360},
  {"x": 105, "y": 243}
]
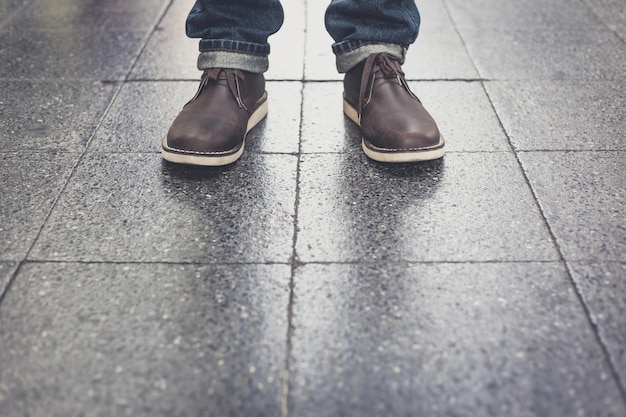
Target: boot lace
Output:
[
  {"x": 233, "y": 76},
  {"x": 380, "y": 65}
]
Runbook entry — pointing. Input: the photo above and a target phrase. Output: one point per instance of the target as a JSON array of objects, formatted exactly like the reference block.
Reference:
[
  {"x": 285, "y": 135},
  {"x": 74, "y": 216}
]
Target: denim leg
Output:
[
  {"x": 234, "y": 33},
  {"x": 363, "y": 27}
]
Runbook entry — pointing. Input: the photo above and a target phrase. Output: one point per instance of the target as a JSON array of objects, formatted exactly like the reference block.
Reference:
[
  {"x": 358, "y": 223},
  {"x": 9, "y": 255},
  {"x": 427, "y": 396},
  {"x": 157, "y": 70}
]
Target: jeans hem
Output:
[
  {"x": 234, "y": 46},
  {"x": 257, "y": 64},
  {"x": 350, "y": 53}
]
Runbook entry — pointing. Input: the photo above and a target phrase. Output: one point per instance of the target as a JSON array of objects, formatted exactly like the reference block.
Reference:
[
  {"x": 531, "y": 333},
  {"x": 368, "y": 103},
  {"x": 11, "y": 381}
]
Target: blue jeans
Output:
[{"x": 234, "y": 33}]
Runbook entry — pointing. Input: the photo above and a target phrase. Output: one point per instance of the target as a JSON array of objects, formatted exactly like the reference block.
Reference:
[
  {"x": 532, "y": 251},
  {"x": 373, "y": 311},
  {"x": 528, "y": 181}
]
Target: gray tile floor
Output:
[{"x": 305, "y": 279}]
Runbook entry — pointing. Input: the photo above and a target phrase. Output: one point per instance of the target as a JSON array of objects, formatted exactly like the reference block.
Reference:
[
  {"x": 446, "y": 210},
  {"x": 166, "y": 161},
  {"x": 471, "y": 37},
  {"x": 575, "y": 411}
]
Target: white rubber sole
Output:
[
  {"x": 393, "y": 156},
  {"x": 213, "y": 160}
]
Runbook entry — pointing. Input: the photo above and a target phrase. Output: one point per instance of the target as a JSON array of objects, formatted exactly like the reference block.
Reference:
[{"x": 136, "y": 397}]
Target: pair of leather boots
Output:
[{"x": 211, "y": 128}]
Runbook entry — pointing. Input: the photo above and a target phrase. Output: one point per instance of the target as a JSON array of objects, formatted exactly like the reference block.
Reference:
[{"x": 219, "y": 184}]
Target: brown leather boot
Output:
[
  {"x": 211, "y": 128},
  {"x": 394, "y": 124}
]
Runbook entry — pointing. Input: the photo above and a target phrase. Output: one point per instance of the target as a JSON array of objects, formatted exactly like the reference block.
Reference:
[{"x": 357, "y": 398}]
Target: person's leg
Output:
[
  {"x": 231, "y": 99},
  {"x": 233, "y": 33},
  {"x": 371, "y": 38},
  {"x": 363, "y": 27}
]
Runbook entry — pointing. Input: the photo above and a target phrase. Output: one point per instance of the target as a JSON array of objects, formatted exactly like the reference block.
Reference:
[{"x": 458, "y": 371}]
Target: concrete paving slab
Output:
[
  {"x": 582, "y": 197},
  {"x": 524, "y": 16},
  {"x": 143, "y": 112},
  {"x": 546, "y": 55},
  {"x": 462, "y": 111},
  {"x": 144, "y": 340},
  {"x": 602, "y": 287},
  {"x": 466, "y": 207},
  {"x": 51, "y": 115},
  {"x": 137, "y": 208},
  {"x": 178, "y": 298},
  {"x": 92, "y": 15},
  {"x": 31, "y": 182},
  {"x": 72, "y": 54},
  {"x": 442, "y": 340},
  {"x": 562, "y": 115}
]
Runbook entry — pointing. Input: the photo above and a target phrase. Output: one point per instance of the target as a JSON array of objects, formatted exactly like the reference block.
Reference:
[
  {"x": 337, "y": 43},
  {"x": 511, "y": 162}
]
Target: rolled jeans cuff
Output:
[
  {"x": 350, "y": 53},
  {"x": 223, "y": 53}
]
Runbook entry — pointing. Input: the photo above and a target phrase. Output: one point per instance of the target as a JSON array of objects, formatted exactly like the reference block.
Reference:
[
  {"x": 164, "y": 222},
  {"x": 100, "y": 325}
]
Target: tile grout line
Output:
[
  {"x": 5, "y": 289},
  {"x": 294, "y": 263},
  {"x": 303, "y": 263}
]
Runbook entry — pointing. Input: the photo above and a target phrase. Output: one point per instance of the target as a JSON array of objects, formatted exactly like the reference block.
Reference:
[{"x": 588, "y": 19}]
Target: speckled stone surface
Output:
[
  {"x": 547, "y": 54},
  {"x": 99, "y": 15},
  {"x": 602, "y": 286},
  {"x": 73, "y": 55},
  {"x": 582, "y": 196},
  {"x": 51, "y": 115},
  {"x": 30, "y": 185},
  {"x": 134, "y": 207},
  {"x": 144, "y": 340},
  {"x": 443, "y": 340},
  {"x": 305, "y": 279},
  {"x": 526, "y": 16},
  {"x": 468, "y": 207},
  {"x": 562, "y": 115}
]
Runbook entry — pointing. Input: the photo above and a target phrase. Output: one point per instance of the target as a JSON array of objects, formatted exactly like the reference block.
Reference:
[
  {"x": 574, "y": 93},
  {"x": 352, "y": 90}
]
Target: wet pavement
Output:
[{"x": 305, "y": 279}]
